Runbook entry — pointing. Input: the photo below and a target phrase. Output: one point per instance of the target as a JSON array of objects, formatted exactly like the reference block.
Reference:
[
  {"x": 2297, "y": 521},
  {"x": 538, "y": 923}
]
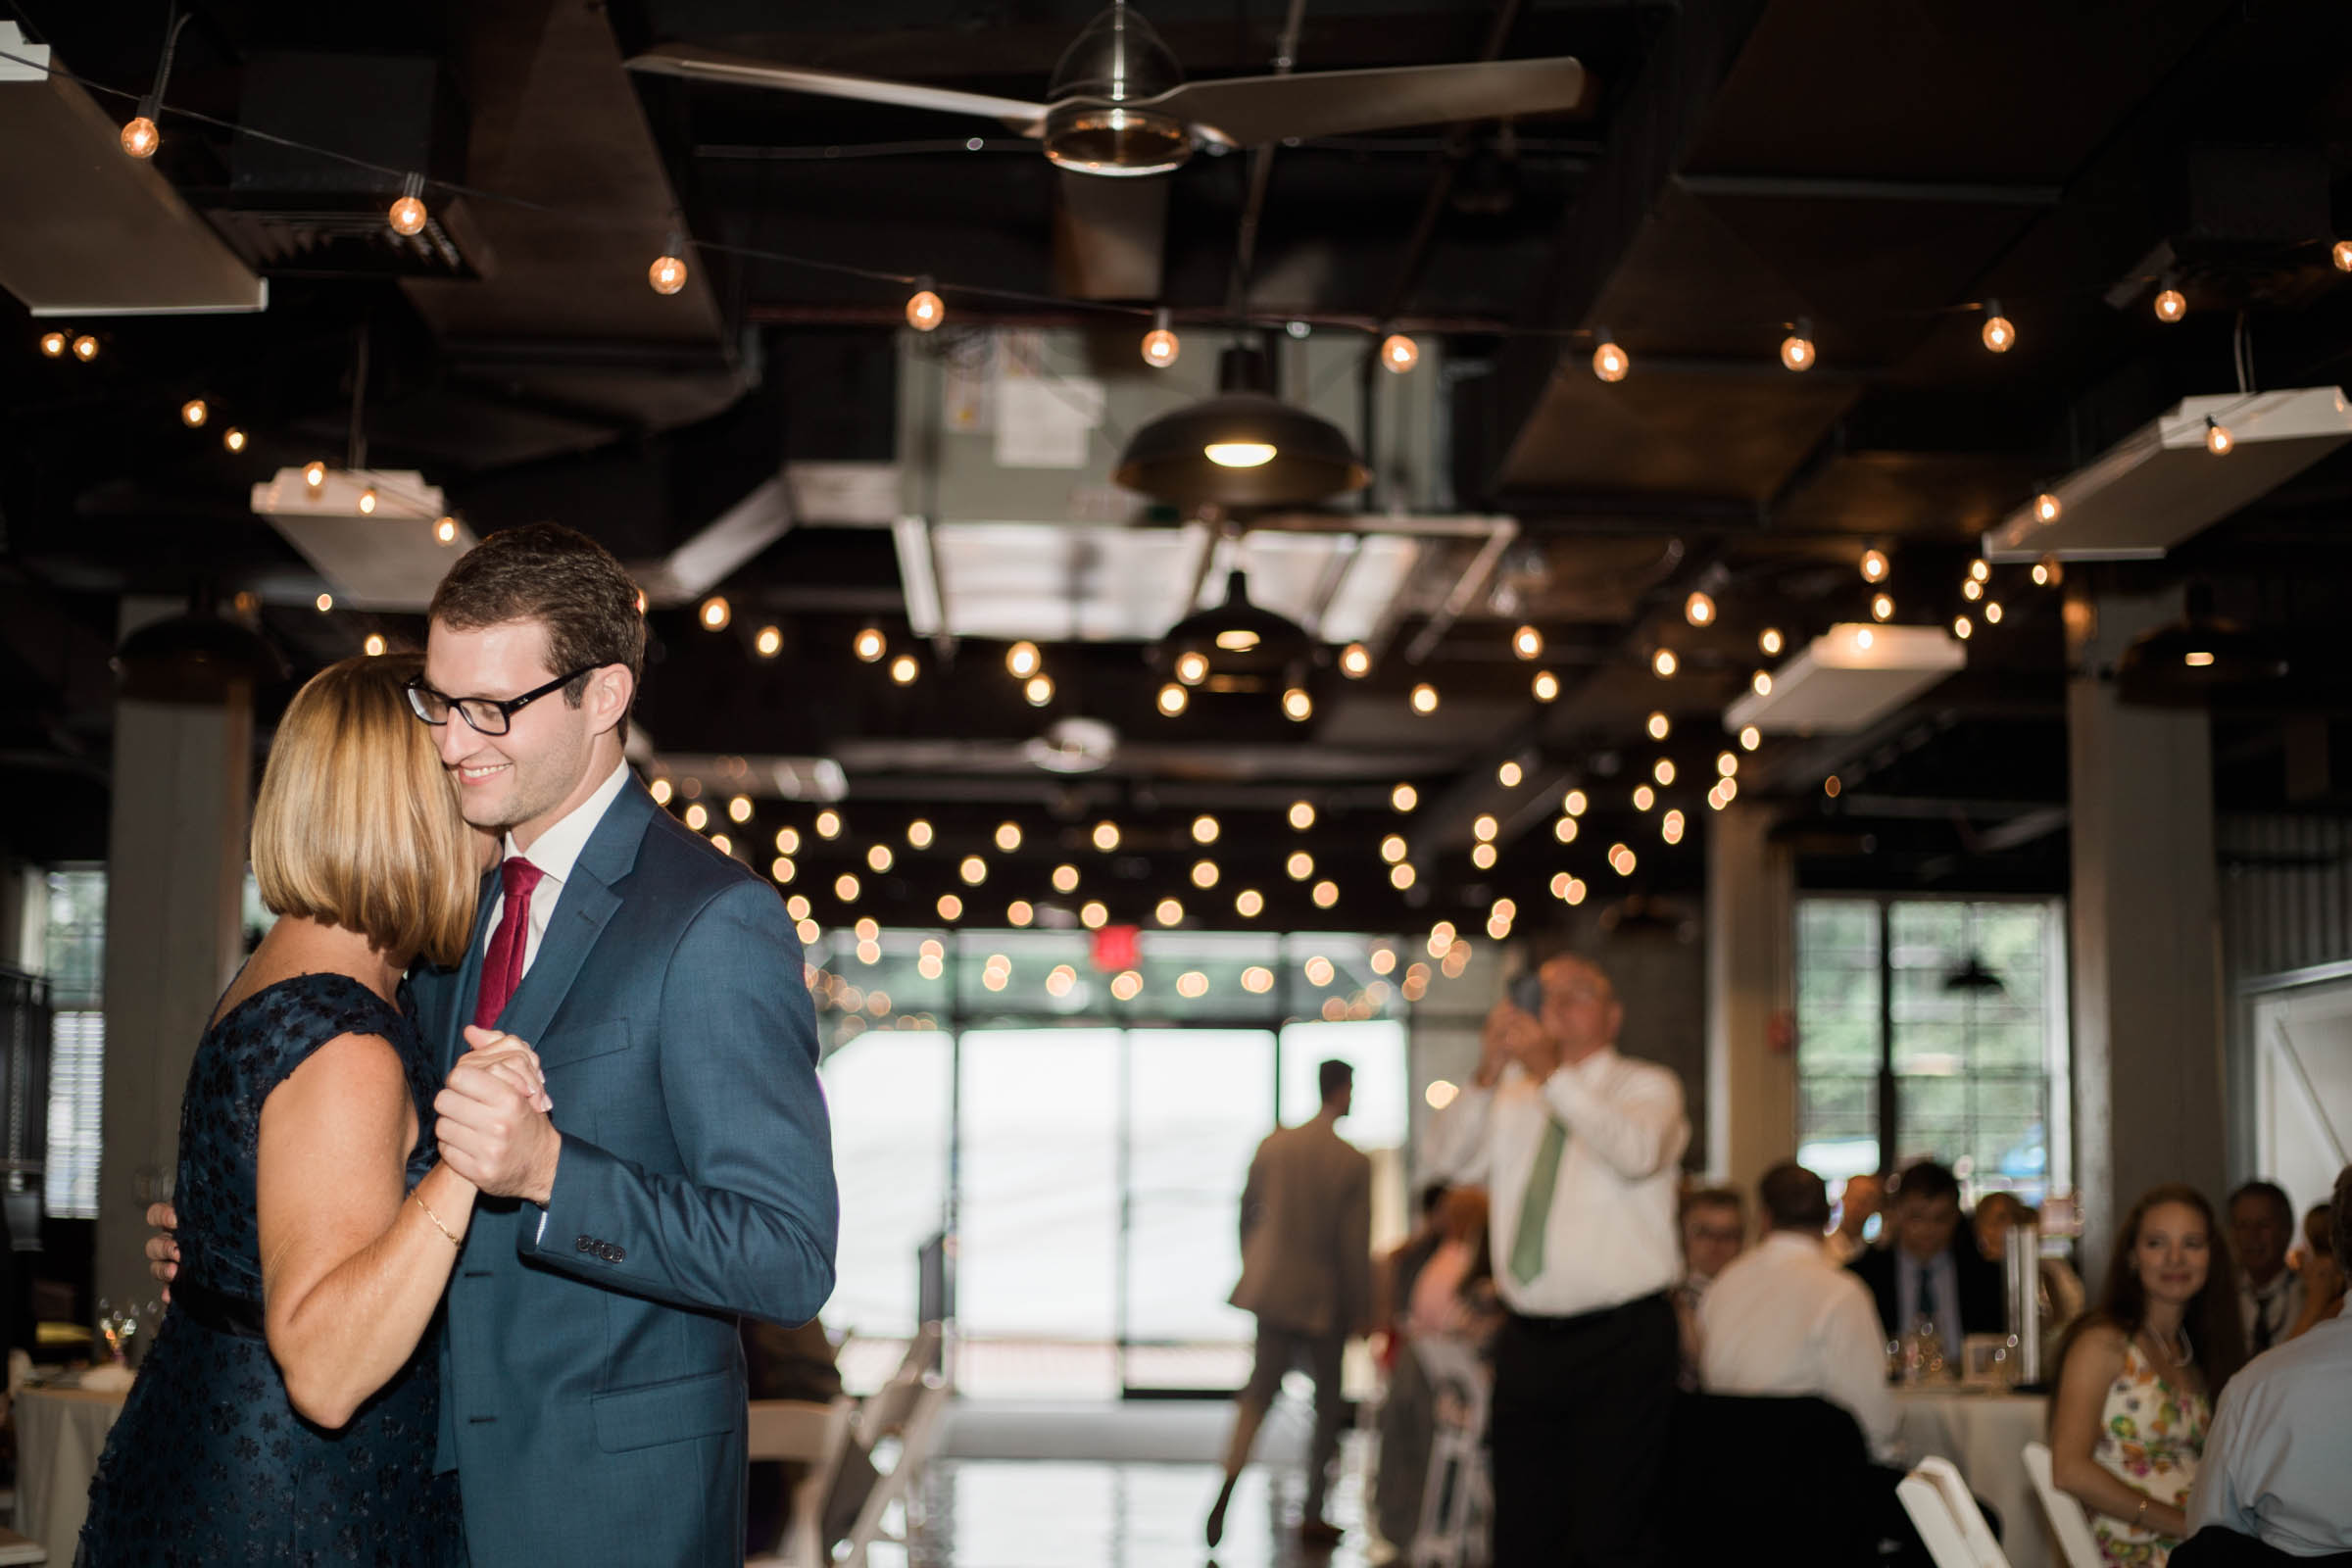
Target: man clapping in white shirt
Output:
[{"x": 1578, "y": 1148}]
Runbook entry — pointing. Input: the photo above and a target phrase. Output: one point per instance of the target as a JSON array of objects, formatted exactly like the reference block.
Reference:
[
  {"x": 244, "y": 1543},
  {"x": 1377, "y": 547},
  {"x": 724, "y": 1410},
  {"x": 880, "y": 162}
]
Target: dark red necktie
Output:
[{"x": 502, "y": 962}]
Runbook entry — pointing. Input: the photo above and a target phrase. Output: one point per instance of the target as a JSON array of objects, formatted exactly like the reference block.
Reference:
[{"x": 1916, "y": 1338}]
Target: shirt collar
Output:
[
  {"x": 1594, "y": 1068},
  {"x": 1786, "y": 1240},
  {"x": 558, "y": 850}
]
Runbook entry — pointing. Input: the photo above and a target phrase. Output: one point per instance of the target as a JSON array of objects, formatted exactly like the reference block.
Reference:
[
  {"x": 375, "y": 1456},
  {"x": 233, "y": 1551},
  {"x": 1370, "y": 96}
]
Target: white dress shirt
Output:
[
  {"x": 2279, "y": 1451},
  {"x": 1611, "y": 1236},
  {"x": 1784, "y": 1318},
  {"x": 555, "y": 852}
]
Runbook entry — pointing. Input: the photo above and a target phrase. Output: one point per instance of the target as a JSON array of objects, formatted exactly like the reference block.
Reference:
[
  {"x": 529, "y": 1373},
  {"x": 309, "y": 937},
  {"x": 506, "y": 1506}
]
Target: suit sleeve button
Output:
[{"x": 585, "y": 1243}]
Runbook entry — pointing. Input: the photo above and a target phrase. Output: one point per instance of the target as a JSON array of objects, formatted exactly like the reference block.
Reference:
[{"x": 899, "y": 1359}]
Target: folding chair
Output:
[
  {"x": 2068, "y": 1519},
  {"x": 1945, "y": 1514},
  {"x": 1457, "y": 1502},
  {"x": 907, "y": 1410},
  {"x": 810, "y": 1434}
]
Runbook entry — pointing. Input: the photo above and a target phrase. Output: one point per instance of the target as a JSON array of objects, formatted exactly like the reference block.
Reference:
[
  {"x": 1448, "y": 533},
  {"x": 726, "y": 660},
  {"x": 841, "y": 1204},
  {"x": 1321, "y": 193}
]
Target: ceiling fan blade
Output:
[
  {"x": 712, "y": 65},
  {"x": 1249, "y": 110},
  {"x": 1108, "y": 236}
]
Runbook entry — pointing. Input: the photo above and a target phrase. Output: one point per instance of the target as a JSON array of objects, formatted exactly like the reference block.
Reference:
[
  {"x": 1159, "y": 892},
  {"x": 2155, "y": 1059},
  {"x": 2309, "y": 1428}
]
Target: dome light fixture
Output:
[{"x": 1242, "y": 448}]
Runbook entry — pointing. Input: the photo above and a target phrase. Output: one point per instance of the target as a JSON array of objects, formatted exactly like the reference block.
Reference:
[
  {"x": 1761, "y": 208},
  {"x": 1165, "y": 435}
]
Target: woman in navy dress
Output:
[{"x": 288, "y": 1410}]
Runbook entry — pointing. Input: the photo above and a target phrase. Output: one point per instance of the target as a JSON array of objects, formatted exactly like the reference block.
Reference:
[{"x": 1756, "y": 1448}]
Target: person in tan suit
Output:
[{"x": 1306, "y": 1273}]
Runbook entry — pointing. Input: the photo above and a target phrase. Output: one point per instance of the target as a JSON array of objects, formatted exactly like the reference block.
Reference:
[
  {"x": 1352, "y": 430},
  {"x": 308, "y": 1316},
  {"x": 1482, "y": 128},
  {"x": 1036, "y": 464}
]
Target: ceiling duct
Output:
[
  {"x": 2165, "y": 481},
  {"x": 114, "y": 237},
  {"x": 376, "y": 535},
  {"x": 1847, "y": 679}
]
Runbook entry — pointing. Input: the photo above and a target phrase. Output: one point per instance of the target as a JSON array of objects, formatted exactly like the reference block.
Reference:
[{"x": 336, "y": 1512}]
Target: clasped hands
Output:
[{"x": 1510, "y": 1034}]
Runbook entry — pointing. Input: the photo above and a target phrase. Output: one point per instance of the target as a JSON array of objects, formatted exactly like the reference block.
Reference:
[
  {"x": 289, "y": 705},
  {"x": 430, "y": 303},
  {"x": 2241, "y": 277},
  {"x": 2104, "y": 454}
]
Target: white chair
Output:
[
  {"x": 1945, "y": 1514},
  {"x": 2068, "y": 1520},
  {"x": 907, "y": 1411},
  {"x": 811, "y": 1434},
  {"x": 1457, "y": 1502}
]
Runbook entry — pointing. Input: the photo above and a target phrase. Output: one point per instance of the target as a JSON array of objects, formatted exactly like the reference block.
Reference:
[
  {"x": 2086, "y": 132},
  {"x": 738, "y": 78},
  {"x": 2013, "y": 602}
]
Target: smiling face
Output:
[
  {"x": 2173, "y": 1252},
  {"x": 552, "y": 757}
]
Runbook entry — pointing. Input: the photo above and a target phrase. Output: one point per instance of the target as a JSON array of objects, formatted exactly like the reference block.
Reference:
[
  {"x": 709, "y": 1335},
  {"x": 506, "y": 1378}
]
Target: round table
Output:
[
  {"x": 1984, "y": 1436},
  {"x": 60, "y": 1434}
]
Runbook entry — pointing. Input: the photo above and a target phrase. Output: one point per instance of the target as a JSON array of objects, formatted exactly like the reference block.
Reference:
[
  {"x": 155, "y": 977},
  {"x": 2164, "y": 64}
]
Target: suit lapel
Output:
[
  {"x": 467, "y": 982},
  {"x": 587, "y": 904}
]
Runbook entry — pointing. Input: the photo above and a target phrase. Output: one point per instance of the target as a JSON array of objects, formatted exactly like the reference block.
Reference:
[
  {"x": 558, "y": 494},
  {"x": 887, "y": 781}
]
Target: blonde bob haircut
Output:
[{"x": 358, "y": 824}]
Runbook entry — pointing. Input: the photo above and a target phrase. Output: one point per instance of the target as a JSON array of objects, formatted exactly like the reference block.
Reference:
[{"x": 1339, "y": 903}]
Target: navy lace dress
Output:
[{"x": 210, "y": 1464}]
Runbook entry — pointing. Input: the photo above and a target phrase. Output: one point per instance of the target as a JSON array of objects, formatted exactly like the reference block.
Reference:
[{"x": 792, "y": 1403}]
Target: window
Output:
[
  {"x": 73, "y": 958},
  {"x": 1934, "y": 1028}
]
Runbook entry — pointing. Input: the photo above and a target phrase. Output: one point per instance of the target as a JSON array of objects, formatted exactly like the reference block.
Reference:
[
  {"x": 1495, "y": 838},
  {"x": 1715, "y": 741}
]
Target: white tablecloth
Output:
[
  {"x": 1984, "y": 1434},
  {"x": 60, "y": 1434}
]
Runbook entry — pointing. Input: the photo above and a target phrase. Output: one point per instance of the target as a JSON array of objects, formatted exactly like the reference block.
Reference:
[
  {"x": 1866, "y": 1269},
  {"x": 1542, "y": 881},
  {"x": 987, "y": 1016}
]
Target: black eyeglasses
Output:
[{"x": 488, "y": 715}]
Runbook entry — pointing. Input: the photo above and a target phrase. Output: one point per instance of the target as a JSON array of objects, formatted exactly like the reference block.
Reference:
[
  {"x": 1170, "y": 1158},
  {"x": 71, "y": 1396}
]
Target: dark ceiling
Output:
[{"x": 1738, "y": 165}]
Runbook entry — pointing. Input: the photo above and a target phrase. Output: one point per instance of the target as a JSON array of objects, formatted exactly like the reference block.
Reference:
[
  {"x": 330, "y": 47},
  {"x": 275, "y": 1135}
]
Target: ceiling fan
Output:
[{"x": 1119, "y": 105}]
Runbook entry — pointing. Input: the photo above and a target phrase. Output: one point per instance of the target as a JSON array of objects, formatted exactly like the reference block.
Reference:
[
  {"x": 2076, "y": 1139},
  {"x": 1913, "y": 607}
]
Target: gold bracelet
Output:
[
  {"x": 2137, "y": 1517},
  {"x": 435, "y": 1218}
]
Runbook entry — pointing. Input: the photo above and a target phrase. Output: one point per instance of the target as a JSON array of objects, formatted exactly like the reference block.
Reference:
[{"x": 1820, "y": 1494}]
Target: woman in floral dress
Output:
[{"x": 2137, "y": 1378}]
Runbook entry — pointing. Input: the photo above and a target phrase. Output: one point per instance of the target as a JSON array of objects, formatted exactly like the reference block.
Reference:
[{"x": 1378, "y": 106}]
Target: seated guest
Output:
[
  {"x": 2270, "y": 1295},
  {"x": 2060, "y": 1293},
  {"x": 1784, "y": 1318},
  {"x": 781, "y": 1363},
  {"x": 2138, "y": 1377},
  {"x": 1445, "y": 1298},
  {"x": 1714, "y": 1227},
  {"x": 1858, "y": 1205},
  {"x": 2277, "y": 1461},
  {"x": 1934, "y": 1272},
  {"x": 1394, "y": 1273},
  {"x": 2323, "y": 1272}
]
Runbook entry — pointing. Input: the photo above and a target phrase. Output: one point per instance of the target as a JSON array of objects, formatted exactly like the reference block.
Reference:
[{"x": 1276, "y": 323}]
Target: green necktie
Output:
[{"x": 1535, "y": 1206}]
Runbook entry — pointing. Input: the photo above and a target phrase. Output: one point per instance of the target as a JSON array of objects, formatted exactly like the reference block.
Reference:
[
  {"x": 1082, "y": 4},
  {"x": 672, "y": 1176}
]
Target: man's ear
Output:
[{"x": 609, "y": 690}]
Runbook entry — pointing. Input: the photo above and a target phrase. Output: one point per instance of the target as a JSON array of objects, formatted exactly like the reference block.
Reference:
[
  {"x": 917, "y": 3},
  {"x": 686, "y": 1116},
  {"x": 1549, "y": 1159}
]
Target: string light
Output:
[
  {"x": 1298, "y": 705},
  {"x": 2170, "y": 305},
  {"x": 1881, "y": 606},
  {"x": 85, "y": 348},
  {"x": 374, "y": 646},
  {"x": 368, "y": 502},
  {"x": 407, "y": 215},
  {"x": 1008, "y": 837},
  {"x": 828, "y": 824},
  {"x": 739, "y": 810},
  {"x": 788, "y": 839},
  {"x": 1425, "y": 699},
  {"x": 1093, "y": 914},
  {"x": 1727, "y": 764},
  {"x": 193, "y": 413},
  {"x": 715, "y": 612},
  {"x": 951, "y": 907},
  {"x": 325, "y": 602},
  {"x": 782, "y": 870},
  {"x": 918, "y": 834},
  {"x": 769, "y": 642},
  {"x": 878, "y": 857},
  {"x": 1565, "y": 830},
  {"x": 1300, "y": 865},
  {"x": 1398, "y": 352},
  {"x": 1403, "y": 798},
  {"x": 2000, "y": 335},
  {"x": 1393, "y": 848},
  {"x": 1484, "y": 828},
  {"x": 1192, "y": 668},
  {"x": 1873, "y": 566},
  {"x": 1302, "y": 815},
  {"x": 1356, "y": 661},
  {"x": 2218, "y": 439},
  {"x": 1527, "y": 643},
  {"x": 1325, "y": 893},
  {"x": 924, "y": 310},
  {"x": 314, "y": 474},
  {"x": 53, "y": 345},
  {"x": 1663, "y": 664},
  {"x": 661, "y": 791},
  {"x": 1547, "y": 686},
  {"x": 1160, "y": 344},
  {"x": 1022, "y": 661},
  {"x": 1482, "y": 856},
  {"x": 845, "y": 887},
  {"x": 1038, "y": 690},
  {"x": 1609, "y": 361},
  {"x": 1644, "y": 796},
  {"x": 1993, "y": 614},
  {"x": 697, "y": 817},
  {"x": 1698, "y": 610},
  {"x": 1249, "y": 904},
  {"x": 1663, "y": 773},
  {"x": 1963, "y": 628},
  {"x": 1173, "y": 700},
  {"x": 445, "y": 532},
  {"x": 234, "y": 439},
  {"x": 1761, "y": 681},
  {"x": 1065, "y": 879},
  {"x": 1670, "y": 827},
  {"x": 1204, "y": 873},
  {"x": 1574, "y": 803},
  {"x": 1769, "y": 640},
  {"x": 1205, "y": 829},
  {"x": 140, "y": 138},
  {"x": 1796, "y": 349},
  {"x": 1750, "y": 738},
  {"x": 869, "y": 645},
  {"x": 1509, "y": 775},
  {"x": 1659, "y": 726},
  {"x": 1106, "y": 836},
  {"x": 2342, "y": 255},
  {"x": 973, "y": 870},
  {"x": 1127, "y": 985},
  {"x": 2047, "y": 572},
  {"x": 1972, "y": 589}
]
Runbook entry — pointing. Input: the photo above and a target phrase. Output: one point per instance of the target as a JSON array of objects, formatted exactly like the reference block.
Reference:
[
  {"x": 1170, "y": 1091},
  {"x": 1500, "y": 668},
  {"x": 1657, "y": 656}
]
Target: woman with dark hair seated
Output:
[{"x": 2138, "y": 1377}]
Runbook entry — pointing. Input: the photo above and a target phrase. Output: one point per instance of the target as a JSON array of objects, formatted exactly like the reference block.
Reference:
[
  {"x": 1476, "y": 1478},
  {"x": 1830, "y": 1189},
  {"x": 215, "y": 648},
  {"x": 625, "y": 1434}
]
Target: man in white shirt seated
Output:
[
  {"x": 1784, "y": 1318},
  {"x": 2277, "y": 1462},
  {"x": 1579, "y": 1149}
]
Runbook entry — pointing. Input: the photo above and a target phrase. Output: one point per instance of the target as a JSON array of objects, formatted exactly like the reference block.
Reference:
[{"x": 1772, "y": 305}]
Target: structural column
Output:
[
  {"x": 175, "y": 870},
  {"x": 2148, "y": 986},
  {"x": 1752, "y": 1062}
]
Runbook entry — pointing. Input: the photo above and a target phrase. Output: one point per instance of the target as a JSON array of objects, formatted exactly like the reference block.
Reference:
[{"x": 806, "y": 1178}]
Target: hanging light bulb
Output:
[
  {"x": 1761, "y": 681},
  {"x": 2000, "y": 335},
  {"x": 1038, "y": 690},
  {"x": 1663, "y": 773},
  {"x": 1993, "y": 614},
  {"x": 1698, "y": 610},
  {"x": 1205, "y": 829},
  {"x": 2047, "y": 572},
  {"x": 1509, "y": 775},
  {"x": 924, "y": 310},
  {"x": 408, "y": 215},
  {"x": 1403, "y": 798},
  {"x": 769, "y": 642},
  {"x": 1750, "y": 738},
  {"x": 1173, "y": 700},
  {"x": 1301, "y": 816},
  {"x": 325, "y": 602},
  {"x": 1972, "y": 589},
  {"x": 234, "y": 439},
  {"x": 1160, "y": 346},
  {"x": 2342, "y": 255},
  {"x": 1609, "y": 361},
  {"x": 193, "y": 413},
  {"x": 1663, "y": 664},
  {"x": 1796, "y": 349},
  {"x": 2218, "y": 439},
  {"x": 1022, "y": 661},
  {"x": 1769, "y": 640},
  {"x": 1575, "y": 803},
  {"x": 2047, "y": 508},
  {"x": 1356, "y": 661},
  {"x": 2171, "y": 306},
  {"x": 85, "y": 348},
  {"x": 314, "y": 474},
  {"x": 903, "y": 669},
  {"x": 868, "y": 645},
  {"x": 140, "y": 138},
  {"x": 1527, "y": 643},
  {"x": 1659, "y": 726},
  {"x": 667, "y": 273},
  {"x": 1881, "y": 606},
  {"x": 1398, "y": 352},
  {"x": 368, "y": 502},
  {"x": 374, "y": 646},
  {"x": 1296, "y": 705},
  {"x": 1192, "y": 668},
  {"x": 53, "y": 345},
  {"x": 1963, "y": 628},
  {"x": 1547, "y": 686},
  {"x": 1873, "y": 566},
  {"x": 1425, "y": 699},
  {"x": 445, "y": 532},
  {"x": 715, "y": 613}
]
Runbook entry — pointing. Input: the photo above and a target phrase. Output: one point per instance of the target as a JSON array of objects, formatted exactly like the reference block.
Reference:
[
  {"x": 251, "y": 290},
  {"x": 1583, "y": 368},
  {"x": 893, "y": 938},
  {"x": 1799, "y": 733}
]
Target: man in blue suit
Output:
[{"x": 593, "y": 1395}]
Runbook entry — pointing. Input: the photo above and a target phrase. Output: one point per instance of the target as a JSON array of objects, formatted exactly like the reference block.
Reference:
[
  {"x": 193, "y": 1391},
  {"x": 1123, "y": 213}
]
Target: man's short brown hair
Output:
[{"x": 564, "y": 581}]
